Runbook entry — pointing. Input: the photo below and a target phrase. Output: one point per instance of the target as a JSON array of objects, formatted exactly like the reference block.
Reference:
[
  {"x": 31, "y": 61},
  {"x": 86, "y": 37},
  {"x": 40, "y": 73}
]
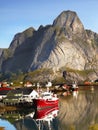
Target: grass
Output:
[{"x": 80, "y": 72}]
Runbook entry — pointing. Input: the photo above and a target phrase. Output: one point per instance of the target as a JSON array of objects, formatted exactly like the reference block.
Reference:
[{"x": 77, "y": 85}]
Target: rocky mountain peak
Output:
[
  {"x": 20, "y": 37},
  {"x": 69, "y": 21},
  {"x": 63, "y": 45}
]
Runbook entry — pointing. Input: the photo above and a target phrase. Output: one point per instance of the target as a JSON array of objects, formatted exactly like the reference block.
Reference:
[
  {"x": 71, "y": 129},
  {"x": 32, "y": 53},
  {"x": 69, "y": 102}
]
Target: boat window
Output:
[{"x": 46, "y": 95}]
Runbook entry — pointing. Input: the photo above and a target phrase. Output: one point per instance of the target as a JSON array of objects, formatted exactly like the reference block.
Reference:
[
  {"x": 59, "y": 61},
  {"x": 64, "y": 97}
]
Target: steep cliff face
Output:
[
  {"x": 1, "y": 50},
  {"x": 1, "y": 56},
  {"x": 65, "y": 43},
  {"x": 18, "y": 55}
]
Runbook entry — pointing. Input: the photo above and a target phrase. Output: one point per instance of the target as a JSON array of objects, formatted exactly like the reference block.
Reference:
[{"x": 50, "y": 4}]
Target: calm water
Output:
[{"x": 76, "y": 112}]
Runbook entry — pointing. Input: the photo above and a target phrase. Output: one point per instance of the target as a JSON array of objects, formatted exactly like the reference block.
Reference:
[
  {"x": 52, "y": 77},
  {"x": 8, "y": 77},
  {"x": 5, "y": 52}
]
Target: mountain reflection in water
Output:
[
  {"x": 79, "y": 113},
  {"x": 76, "y": 112}
]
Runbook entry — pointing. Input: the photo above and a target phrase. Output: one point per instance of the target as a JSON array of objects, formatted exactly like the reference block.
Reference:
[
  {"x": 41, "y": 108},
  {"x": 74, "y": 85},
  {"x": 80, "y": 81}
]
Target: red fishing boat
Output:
[{"x": 46, "y": 100}]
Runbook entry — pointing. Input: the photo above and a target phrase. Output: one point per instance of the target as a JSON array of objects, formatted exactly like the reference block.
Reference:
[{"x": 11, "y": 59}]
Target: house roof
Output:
[
  {"x": 25, "y": 91},
  {"x": 4, "y": 92},
  {"x": 4, "y": 88}
]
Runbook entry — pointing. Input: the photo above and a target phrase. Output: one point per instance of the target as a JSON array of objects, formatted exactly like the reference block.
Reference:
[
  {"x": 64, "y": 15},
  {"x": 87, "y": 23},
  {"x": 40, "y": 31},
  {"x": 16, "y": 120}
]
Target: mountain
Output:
[
  {"x": 1, "y": 50},
  {"x": 65, "y": 44}
]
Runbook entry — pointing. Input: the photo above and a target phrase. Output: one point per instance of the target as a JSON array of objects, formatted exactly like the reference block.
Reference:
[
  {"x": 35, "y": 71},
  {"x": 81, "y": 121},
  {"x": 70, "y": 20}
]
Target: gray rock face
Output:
[
  {"x": 1, "y": 51},
  {"x": 1, "y": 55},
  {"x": 65, "y": 43},
  {"x": 70, "y": 22}
]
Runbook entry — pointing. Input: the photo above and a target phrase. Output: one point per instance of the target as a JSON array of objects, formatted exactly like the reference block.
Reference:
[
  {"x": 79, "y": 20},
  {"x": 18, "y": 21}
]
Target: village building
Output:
[
  {"x": 20, "y": 96},
  {"x": 3, "y": 92},
  {"x": 28, "y": 84}
]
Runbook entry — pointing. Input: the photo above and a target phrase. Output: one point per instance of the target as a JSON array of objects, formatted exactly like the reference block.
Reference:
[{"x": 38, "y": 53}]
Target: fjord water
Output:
[
  {"x": 76, "y": 112},
  {"x": 79, "y": 112}
]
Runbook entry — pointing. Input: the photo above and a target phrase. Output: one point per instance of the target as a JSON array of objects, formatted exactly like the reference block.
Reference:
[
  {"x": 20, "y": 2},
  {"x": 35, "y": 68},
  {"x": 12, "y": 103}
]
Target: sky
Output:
[{"x": 18, "y": 15}]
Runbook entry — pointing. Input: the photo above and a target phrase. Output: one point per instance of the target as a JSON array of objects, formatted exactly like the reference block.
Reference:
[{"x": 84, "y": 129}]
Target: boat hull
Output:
[{"x": 43, "y": 104}]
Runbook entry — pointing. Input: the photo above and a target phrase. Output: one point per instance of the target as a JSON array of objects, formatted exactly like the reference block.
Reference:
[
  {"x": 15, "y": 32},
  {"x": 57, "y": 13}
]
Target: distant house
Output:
[
  {"x": 28, "y": 84},
  {"x": 4, "y": 84},
  {"x": 3, "y": 92},
  {"x": 20, "y": 95},
  {"x": 49, "y": 84}
]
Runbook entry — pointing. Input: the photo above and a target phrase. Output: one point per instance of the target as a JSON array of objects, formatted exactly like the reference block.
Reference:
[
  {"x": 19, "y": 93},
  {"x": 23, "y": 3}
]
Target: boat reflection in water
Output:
[{"x": 44, "y": 118}]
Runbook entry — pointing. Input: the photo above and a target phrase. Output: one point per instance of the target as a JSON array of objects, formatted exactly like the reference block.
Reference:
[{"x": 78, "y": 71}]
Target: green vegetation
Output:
[
  {"x": 58, "y": 80},
  {"x": 93, "y": 127},
  {"x": 34, "y": 76},
  {"x": 28, "y": 32},
  {"x": 7, "y": 53},
  {"x": 72, "y": 127},
  {"x": 80, "y": 72},
  {"x": 57, "y": 29},
  {"x": 43, "y": 75}
]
